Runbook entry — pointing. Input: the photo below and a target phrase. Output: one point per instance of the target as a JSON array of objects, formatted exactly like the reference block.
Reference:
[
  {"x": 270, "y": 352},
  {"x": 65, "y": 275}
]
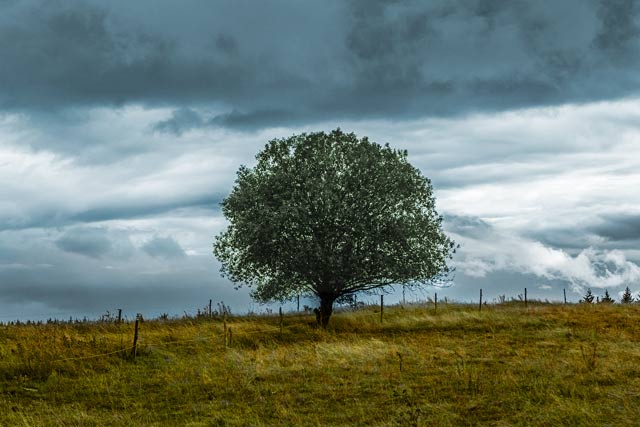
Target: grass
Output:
[{"x": 545, "y": 365}]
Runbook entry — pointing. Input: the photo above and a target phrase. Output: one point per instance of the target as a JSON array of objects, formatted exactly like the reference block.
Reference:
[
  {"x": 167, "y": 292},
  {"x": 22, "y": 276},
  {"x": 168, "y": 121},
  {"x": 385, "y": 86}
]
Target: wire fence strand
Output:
[{"x": 212, "y": 337}]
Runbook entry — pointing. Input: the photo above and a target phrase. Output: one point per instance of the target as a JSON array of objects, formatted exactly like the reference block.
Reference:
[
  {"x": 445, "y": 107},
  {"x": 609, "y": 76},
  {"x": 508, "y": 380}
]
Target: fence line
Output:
[
  {"x": 206, "y": 310},
  {"x": 92, "y": 356},
  {"x": 226, "y": 332},
  {"x": 142, "y": 340},
  {"x": 60, "y": 315}
]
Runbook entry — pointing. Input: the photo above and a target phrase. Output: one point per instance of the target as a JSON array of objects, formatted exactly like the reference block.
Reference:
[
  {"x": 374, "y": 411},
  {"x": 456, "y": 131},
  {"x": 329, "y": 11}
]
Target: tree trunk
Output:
[{"x": 326, "y": 309}]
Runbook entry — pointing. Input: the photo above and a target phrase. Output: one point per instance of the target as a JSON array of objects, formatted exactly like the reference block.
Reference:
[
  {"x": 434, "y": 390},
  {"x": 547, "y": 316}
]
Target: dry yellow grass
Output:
[{"x": 548, "y": 365}]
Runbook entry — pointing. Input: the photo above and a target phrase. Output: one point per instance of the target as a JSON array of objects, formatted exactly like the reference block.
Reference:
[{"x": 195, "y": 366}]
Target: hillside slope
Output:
[{"x": 552, "y": 365}]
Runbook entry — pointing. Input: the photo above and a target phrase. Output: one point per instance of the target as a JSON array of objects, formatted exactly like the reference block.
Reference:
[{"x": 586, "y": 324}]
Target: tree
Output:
[
  {"x": 588, "y": 297},
  {"x": 606, "y": 299},
  {"x": 330, "y": 214},
  {"x": 627, "y": 298}
]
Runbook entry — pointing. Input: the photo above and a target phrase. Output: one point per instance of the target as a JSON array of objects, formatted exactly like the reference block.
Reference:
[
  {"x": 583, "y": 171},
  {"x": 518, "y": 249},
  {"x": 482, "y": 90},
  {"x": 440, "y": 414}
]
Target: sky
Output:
[{"x": 122, "y": 126}]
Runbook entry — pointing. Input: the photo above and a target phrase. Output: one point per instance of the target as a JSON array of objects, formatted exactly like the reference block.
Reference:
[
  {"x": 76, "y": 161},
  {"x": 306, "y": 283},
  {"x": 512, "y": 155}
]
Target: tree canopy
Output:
[{"x": 330, "y": 214}]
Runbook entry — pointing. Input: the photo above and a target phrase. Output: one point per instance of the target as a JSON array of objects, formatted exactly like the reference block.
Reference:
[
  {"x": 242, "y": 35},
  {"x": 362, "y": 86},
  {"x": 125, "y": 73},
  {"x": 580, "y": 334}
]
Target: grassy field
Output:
[{"x": 545, "y": 365}]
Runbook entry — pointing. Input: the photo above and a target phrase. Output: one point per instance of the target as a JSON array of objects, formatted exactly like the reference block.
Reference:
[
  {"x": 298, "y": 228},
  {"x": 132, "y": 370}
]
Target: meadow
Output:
[{"x": 508, "y": 365}]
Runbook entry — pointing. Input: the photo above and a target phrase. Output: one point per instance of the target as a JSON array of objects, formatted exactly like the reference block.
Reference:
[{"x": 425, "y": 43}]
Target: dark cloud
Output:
[
  {"x": 163, "y": 247},
  {"x": 618, "y": 227},
  {"x": 354, "y": 60},
  {"x": 96, "y": 242},
  {"x": 91, "y": 242},
  {"x": 619, "y": 231},
  {"x": 570, "y": 239},
  {"x": 255, "y": 118},
  {"x": 613, "y": 231},
  {"x": 84, "y": 54},
  {"x": 39, "y": 278},
  {"x": 185, "y": 119},
  {"x": 619, "y": 32},
  {"x": 181, "y": 120},
  {"x": 144, "y": 208},
  {"x": 90, "y": 290},
  {"x": 111, "y": 209},
  {"x": 227, "y": 44},
  {"x": 467, "y": 226}
]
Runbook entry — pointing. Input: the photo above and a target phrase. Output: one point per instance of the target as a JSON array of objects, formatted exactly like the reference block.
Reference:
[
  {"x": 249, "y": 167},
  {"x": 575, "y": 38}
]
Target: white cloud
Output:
[{"x": 503, "y": 250}]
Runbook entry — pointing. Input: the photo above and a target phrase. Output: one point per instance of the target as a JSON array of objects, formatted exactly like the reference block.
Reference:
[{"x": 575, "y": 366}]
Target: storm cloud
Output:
[
  {"x": 235, "y": 64},
  {"x": 619, "y": 227},
  {"x": 163, "y": 247},
  {"x": 89, "y": 242}
]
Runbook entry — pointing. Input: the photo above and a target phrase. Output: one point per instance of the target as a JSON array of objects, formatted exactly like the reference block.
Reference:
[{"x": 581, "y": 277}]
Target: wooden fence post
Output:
[
  {"x": 210, "y": 312},
  {"x": 403, "y": 299},
  {"x": 435, "y": 302},
  {"x": 281, "y": 320},
  {"x": 298, "y": 310},
  {"x": 381, "y": 307},
  {"x": 224, "y": 322},
  {"x": 525, "y": 297},
  {"x": 564, "y": 291},
  {"x": 119, "y": 316},
  {"x": 480, "y": 306},
  {"x": 134, "y": 349}
]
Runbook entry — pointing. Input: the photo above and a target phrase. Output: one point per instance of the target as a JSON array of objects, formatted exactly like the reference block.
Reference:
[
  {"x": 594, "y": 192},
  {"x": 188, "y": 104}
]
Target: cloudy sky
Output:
[{"x": 122, "y": 125}]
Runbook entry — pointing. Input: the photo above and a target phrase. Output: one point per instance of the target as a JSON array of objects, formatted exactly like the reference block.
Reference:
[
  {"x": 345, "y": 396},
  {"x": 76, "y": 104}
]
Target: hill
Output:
[{"x": 551, "y": 365}]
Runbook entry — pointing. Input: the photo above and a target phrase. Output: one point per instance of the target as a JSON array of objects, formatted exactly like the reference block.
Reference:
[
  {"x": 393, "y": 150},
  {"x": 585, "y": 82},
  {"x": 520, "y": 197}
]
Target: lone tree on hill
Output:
[
  {"x": 627, "y": 298},
  {"x": 331, "y": 214}
]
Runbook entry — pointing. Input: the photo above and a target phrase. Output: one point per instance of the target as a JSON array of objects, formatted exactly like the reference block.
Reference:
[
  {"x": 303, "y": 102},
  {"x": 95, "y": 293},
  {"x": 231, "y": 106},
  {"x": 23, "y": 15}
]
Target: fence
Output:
[
  {"x": 222, "y": 309},
  {"x": 225, "y": 334},
  {"x": 222, "y": 339}
]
